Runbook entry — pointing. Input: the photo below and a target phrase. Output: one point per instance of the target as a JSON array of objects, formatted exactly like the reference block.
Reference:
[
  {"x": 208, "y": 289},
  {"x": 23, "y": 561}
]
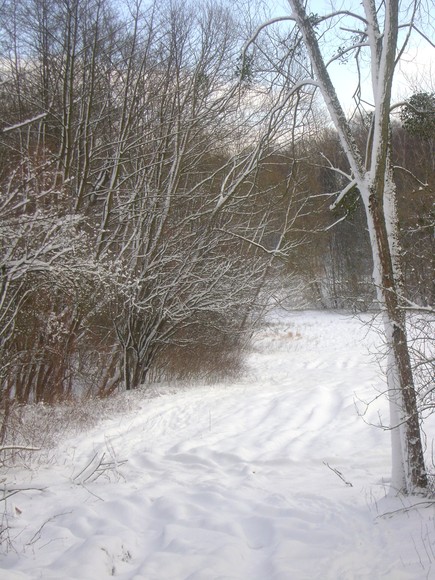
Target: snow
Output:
[{"x": 233, "y": 482}]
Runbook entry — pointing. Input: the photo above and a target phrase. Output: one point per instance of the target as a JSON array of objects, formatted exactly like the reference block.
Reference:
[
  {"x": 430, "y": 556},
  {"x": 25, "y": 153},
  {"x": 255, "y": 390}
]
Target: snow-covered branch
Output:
[
  {"x": 24, "y": 123},
  {"x": 342, "y": 194}
]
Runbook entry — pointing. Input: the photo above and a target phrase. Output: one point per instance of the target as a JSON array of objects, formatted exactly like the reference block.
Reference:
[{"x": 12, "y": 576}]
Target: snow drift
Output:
[{"x": 277, "y": 477}]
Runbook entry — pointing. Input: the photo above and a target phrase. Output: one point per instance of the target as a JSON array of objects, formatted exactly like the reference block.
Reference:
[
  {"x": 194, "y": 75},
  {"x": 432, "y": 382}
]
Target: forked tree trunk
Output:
[{"x": 374, "y": 181}]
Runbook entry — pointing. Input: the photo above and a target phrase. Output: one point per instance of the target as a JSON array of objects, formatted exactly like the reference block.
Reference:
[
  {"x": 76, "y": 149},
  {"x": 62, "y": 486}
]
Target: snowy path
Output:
[{"x": 230, "y": 482}]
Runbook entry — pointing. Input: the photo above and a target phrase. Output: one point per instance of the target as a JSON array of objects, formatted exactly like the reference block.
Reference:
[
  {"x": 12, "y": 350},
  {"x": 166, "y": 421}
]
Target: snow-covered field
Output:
[{"x": 234, "y": 482}]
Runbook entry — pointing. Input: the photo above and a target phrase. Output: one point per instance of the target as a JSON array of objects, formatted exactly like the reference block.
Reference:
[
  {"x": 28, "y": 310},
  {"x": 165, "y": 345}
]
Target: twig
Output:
[
  {"x": 37, "y": 535},
  {"x": 94, "y": 469},
  {"x": 6, "y": 487},
  {"x": 19, "y": 448},
  {"x": 75, "y": 478},
  {"x": 406, "y": 509},
  {"x": 91, "y": 492},
  {"x": 339, "y": 474}
]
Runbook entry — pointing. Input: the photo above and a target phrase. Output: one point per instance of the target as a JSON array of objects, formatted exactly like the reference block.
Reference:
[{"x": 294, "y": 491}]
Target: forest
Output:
[{"x": 163, "y": 184}]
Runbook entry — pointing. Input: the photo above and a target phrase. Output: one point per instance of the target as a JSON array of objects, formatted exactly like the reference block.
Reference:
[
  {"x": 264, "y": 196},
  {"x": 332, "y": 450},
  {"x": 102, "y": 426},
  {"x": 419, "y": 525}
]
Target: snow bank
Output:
[{"x": 234, "y": 482}]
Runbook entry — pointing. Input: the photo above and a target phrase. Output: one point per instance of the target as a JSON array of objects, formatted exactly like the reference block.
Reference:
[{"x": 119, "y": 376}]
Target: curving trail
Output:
[{"x": 231, "y": 482}]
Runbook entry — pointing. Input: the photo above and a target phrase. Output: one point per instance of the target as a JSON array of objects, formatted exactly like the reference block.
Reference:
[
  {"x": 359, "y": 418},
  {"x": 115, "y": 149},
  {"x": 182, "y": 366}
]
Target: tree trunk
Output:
[{"x": 409, "y": 473}]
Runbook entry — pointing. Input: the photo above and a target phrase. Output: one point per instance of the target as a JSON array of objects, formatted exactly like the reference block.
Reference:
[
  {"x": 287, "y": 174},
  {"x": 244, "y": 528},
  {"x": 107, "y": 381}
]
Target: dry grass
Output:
[{"x": 42, "y": 426}]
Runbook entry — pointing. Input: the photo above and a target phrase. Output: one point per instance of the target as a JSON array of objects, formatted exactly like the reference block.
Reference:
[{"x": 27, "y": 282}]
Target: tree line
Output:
[{"x": 337, "y": 261}]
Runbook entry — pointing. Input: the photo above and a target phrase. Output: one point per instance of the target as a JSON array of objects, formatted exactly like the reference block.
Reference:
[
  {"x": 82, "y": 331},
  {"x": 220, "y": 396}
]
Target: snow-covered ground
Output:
[{"x": 234, "y": 482}]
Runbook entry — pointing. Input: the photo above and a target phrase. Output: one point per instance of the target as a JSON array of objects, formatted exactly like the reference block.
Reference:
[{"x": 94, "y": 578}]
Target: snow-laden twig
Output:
[
  {"x": 343, "y": 193},
  {"x": 95, "y": 468},
  {"x": 426, "y": 504},
  {"x": 14, "y": 487},
  {"x": 422, "y": 184},
  {"x": 24, "y": 123},
  {"x": 37, "y": 535},
  {"x": 417, "y": 307},
  {"x": 274, "y": 253}
]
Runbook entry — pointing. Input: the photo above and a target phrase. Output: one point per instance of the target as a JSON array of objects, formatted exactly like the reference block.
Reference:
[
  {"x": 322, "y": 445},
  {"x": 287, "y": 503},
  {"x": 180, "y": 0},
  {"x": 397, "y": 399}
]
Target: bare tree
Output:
[
  {"x": 184, "y": 212},
  {"x": 374, "y": 31},
  {"x": 135, "y": 162},
  {"x": 377, "y": 30}
]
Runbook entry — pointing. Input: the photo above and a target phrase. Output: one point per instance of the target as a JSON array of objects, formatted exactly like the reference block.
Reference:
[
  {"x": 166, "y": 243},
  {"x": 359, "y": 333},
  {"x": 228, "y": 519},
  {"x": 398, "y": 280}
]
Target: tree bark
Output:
[{"x": 411, "y": 475}]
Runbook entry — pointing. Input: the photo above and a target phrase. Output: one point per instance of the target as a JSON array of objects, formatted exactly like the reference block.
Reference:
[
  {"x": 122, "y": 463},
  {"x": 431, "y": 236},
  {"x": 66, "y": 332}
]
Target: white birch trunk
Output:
[{"x": 376, "y": 188}]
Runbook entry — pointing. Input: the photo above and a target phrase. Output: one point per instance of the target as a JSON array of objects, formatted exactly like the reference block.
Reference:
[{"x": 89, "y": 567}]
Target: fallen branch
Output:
[{"x": 339, "y": 474}]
